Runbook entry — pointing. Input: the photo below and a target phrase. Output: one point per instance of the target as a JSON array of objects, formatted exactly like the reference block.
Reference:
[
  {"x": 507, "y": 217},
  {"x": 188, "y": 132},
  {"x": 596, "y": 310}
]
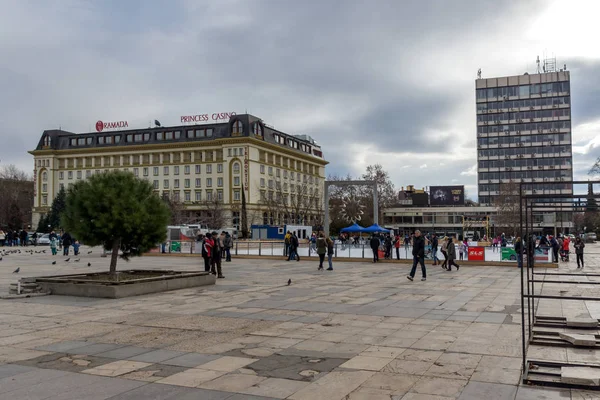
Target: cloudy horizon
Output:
[{"x": 386, "y": 82}]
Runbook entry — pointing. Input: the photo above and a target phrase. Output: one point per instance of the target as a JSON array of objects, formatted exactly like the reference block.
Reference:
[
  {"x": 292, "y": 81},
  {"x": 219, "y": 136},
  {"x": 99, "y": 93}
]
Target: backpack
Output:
[{"x": 204, "y": 253}]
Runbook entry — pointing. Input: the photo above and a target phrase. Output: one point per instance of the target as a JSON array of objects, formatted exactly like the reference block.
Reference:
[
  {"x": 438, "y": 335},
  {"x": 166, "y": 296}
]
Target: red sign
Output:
[
  {"x": 100, "y": 126},
  {"x": 205, "y": 117},
  {"x": 476, "y": 253}
]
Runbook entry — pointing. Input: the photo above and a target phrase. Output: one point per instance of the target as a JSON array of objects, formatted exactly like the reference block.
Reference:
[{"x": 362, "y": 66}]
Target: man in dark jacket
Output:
[
  {"x": 66, "y": 242},
  {"x": 374, "y": 243},
  {"x": 294, "y": 247},
  {"x": 228, "y": 242},
  {"x": 434, "y": 249},
  {"x": 418, "y": 256},
  {"x": 555, "y": 247}
]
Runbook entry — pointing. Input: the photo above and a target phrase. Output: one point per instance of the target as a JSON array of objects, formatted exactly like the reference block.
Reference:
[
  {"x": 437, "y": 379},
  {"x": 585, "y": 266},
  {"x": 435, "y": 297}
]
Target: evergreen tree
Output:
[
  {"x": 57, "y": 208},
  {"x": 43, "y": 224},
  {"x": 117, "y": 211}
]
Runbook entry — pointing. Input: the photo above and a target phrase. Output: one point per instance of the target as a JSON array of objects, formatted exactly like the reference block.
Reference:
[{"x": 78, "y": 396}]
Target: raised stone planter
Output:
[{"x": 134, "y": 283}]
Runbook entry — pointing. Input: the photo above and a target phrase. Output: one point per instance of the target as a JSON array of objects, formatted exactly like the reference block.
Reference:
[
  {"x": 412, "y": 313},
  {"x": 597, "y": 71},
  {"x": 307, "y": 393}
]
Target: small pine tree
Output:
[
  {"x": 56, "y": 210},
  {"x": 43, "y": 224},
  {"x": 117, "y": 211}
]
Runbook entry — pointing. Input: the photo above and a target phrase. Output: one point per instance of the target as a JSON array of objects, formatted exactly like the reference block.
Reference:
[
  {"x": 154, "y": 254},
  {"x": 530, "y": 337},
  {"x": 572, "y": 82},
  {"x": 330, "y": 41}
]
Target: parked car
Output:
[
  {"x": 44, "y": 240},
  {"x": 590, "y": 237}
]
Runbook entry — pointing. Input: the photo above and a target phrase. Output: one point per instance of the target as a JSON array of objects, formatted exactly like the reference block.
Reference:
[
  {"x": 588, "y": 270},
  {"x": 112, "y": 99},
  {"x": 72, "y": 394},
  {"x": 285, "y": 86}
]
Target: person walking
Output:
[
  {"x": 23, "y": 237},
  {"x": 228, "y": 242},
  {"x": 418, "y": 253},
  {"x": 329, "y": 253},
  {"x": 451, "y": 249},
  {"x": 34, "y": 237},
  {"x": 294, "y": 247},
  {"x": 444, "y": 250},
  {"x": 519, "y": 251},
  {"x": 215, "y": 267},
  {"x": 397, "y": 246},
  {"x": 374, "y": 243},
  {"x": 66, "y": 242},
  {"x": 565, "y": 247},
  {"x": 461, "y": 250},
  {"x": 321, "y": 245},
  {"x": 434, "y": 249},
  {"x": 207, "y": 247},
  {"x": 555, "y": 246},
  {"x": 579, "y": 245},
  {"x": 2, "y": 238},
  {"x": 9, "y": 238},
  {"x": 53, "y": 245},
  {"x": 286, "y": 243}
]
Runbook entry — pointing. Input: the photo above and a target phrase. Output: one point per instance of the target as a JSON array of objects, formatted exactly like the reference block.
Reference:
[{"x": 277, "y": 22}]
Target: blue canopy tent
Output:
[
  {"x": 375, "y": 229},
  {"x": 353, "y": 228}
]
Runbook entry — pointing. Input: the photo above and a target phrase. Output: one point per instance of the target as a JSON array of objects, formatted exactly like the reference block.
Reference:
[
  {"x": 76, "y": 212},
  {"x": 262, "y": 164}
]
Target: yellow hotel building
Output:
[{"x": 195, "y": 165}]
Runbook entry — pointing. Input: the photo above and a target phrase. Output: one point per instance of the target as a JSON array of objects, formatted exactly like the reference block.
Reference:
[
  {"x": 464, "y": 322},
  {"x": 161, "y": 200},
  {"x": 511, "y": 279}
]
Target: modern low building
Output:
[{"x": 280, "y": 175}]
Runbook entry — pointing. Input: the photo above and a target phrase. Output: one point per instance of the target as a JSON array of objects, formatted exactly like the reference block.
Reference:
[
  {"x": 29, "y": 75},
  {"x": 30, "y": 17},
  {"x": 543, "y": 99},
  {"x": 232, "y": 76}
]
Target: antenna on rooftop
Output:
[
  {"x": 537, "y": 61},
  {"x": 479, "y": 73}
]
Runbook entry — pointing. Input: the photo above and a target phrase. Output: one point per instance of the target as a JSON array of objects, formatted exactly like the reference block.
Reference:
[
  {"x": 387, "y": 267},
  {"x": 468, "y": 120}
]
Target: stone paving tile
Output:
[
  {"x": 94, "y": 348},
  {"x": 232, "y": 382},
  {"x": 440, "y": 386},
  {"x": 334, "y": 385},
  {"x": 154, "y": 372},
  {"x": 156, "y": 356},
  {"x": 366, "y": 363},
  {"x": 191, "y": 377},
  {"x": 63, "y": 346},
  {"x": 190, "y": 359},
  {"x": 396, "y": 383},
  {"x": 168, "y": 392},
  {"x": 275, "y": 387},
  {"x": 122, "y": 352},
  {"x": 544, "y": 393},
  {"x": 488, "y": 391},
  {"x": 116, "y": 368},
  {"x": 9, "y": 370},
  {"x": 227, "y": 363}
]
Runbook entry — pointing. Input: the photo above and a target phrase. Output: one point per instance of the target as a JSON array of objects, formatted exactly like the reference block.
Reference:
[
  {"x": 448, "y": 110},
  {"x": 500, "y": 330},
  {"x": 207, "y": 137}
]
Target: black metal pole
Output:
[{"x": 523, "y": 353}]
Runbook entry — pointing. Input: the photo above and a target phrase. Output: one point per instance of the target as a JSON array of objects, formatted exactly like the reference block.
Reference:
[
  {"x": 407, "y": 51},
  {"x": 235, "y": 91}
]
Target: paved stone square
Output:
[{"x": 362, "y": 331}]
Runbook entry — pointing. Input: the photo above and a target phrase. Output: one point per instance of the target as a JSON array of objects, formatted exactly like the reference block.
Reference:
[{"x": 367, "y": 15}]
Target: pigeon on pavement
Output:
[
  {"x": 89, "y": 264},
  {"x": 77, "y": 260},
  {"x": 67, "y": 260},
  {"x": 53, "y": 262},
  {"x": 90, "y": 252},
  {"x": 16, "y": 271},
  {"x": 289, "y": 282}
]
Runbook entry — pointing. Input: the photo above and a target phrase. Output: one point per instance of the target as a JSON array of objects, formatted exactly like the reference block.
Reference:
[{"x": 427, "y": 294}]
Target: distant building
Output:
[
  {"x": 524, "y": 134},
  {"x": 193, "y": 165}
]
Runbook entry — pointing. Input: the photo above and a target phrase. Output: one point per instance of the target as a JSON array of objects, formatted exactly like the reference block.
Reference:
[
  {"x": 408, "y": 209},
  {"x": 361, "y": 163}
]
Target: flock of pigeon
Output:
[{"x": 5, "y": 253}]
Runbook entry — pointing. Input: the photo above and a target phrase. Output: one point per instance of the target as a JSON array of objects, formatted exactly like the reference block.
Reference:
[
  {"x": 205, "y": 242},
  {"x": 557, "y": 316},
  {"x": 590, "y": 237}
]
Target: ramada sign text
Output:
[
  {"x": 205, "y": 117},
  {"x": 100, "y": 125}
]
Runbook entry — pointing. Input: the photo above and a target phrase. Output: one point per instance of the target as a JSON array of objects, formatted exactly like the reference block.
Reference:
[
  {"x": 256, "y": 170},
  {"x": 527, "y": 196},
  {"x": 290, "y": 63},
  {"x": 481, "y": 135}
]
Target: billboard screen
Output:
[{"x": 447, "y": 195}]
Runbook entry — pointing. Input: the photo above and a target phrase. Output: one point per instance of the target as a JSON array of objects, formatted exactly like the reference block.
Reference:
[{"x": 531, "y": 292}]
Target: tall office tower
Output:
[{"x": 524, "y": 134}]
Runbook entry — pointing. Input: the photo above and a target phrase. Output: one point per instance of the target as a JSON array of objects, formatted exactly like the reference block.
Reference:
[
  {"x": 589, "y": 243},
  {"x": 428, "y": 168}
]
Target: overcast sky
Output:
[{"x": 391, "y": 82}]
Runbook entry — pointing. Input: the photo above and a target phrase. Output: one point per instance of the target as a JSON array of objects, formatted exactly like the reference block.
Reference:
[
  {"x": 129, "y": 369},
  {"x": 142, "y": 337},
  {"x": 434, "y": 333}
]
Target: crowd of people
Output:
[
  {"x": 12, "y": 238},
  {"x": 215, "y": 247}
]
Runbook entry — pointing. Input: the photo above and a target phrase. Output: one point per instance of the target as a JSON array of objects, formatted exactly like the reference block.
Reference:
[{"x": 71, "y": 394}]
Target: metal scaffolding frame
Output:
[{"x": 534, "y": 371}]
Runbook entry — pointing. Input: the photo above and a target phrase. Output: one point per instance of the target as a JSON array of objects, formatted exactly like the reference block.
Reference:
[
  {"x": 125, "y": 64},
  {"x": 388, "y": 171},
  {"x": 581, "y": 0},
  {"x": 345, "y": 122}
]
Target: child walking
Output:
[
  {"x": 76, "y": 247},
  {"x": 53, "y": 245}
]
